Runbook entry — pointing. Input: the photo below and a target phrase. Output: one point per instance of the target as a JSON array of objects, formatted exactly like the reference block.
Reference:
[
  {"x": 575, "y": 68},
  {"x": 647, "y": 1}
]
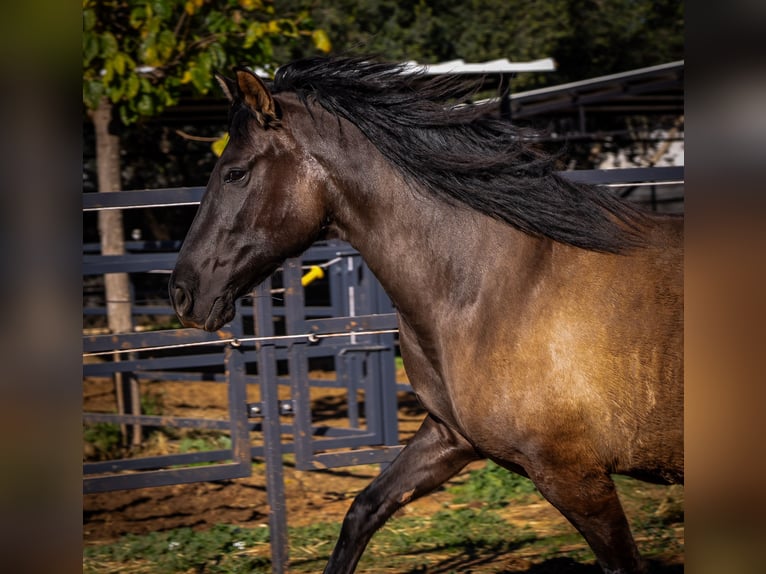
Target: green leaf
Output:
[
  {"x": 137, "y": 17},
  {"x": 168, "y": 98},
  {"x": 149, "y": 54},
  {"x": 90, "y": 48},
  {"x": 163, "y": 8},
  {"x": 200, "y": 78},
  {"x": 205, "y": 61},
  {"x": 88, "y": 19},
  {"x": 254, "y": 31},
  {"x": 115, "y": 93},
  {"x": 92, "y": 90},
  {"x": 217, "y": 55},
  {"x": 108, "y": 72},
  {"x": 109, "y": 46},
  {"x": 217, "y": 22},
  {"x": 119, "y": 63},
  {"x": 166, "y": 43},
  {"x": 126, "y": 115},
  {"x": 146, "y": 85},
  {"x": 145, "y": 105},
  {"x": 133, "y": 85}
]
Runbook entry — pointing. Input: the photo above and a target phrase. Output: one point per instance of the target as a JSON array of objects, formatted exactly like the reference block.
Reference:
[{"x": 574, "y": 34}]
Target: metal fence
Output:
[
  {"x": 354, "y": 329},
  {"x": 275, "y": 336}
]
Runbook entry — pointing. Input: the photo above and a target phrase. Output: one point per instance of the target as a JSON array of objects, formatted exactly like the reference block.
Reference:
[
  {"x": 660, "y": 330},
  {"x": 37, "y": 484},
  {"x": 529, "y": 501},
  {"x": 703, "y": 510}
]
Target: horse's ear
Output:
[
  {"x": 228, "y": 86},
  {"x": 256, "y": 97}
]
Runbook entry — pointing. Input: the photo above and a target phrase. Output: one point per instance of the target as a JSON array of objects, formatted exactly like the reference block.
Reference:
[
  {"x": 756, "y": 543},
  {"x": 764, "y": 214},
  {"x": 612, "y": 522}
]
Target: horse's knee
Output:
[{"x": 369, "y": 509}]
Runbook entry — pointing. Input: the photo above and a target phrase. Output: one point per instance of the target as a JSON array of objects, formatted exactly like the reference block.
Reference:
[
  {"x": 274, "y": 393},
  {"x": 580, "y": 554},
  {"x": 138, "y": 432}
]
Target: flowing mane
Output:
[{"x": 463, "y": 154}]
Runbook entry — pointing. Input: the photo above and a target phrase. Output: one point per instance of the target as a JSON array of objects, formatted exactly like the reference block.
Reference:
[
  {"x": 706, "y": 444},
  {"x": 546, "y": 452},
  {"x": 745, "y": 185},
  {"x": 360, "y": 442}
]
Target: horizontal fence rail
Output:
[{"x": 143, "y": 198}]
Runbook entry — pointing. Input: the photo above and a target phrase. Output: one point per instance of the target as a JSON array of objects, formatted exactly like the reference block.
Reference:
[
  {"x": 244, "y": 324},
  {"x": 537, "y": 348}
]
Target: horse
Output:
[{"x": 540, "y": 320}]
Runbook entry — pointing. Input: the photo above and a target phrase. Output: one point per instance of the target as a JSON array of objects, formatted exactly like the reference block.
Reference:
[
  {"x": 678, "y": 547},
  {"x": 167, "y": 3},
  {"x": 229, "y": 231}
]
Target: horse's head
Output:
[{"x": 264, "y": 202}]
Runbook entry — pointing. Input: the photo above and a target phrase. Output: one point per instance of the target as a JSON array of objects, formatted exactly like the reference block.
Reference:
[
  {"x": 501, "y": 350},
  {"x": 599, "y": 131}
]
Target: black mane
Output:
[{"x": 463, "y": 154}]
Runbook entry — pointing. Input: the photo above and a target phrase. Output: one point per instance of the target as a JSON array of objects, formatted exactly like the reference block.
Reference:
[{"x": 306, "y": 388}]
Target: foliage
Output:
[
  {"x": 587, "y": 38},
  {"x": 143, "y": 55}
]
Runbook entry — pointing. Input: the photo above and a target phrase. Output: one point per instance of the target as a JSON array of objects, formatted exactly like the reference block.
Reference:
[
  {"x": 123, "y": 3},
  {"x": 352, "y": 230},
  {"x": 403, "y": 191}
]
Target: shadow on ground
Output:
[{"x": 484, "y": 562}]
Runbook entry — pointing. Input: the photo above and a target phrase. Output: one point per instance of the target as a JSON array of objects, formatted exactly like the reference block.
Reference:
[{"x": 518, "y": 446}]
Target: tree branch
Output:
[{"x": 188, "y": 136}]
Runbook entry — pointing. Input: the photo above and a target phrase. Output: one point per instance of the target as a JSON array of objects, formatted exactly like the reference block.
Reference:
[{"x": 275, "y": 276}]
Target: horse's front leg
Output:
[{"x": 432, "y": 456}]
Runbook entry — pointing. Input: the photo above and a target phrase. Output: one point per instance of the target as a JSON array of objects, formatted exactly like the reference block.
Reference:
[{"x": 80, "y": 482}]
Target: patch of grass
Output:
[
  {"x": 654, "y": 511},
  {"x": 494, "y": 486},
  {"x": 447, "y": 529},
  {"x": 222, "y": 549},
  {"x": 102, "y": 440},
  {"x": 410, "y": 541},
  {"x": 569, "y": 544},
  {"x": 201, "y": 441},
  {"x": 151, "y": 404}
]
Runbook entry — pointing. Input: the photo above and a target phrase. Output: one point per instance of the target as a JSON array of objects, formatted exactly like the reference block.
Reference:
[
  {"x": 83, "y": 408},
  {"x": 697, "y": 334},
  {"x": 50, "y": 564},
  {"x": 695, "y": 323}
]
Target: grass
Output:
[
  {"x": 458, "y": 538},
  {"x": 219, "y": 550},
  {"x": 200, "y": 441},
  {"x": 495, "y": 487},
  {"x": 102, "y": 440},
  {"x": 403, "y": 542}
]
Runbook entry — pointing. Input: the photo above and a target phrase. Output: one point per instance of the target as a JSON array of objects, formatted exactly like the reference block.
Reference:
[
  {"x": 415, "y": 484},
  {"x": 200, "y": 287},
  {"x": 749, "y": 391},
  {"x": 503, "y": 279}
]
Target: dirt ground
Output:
[{"x": 311, "y": 496}]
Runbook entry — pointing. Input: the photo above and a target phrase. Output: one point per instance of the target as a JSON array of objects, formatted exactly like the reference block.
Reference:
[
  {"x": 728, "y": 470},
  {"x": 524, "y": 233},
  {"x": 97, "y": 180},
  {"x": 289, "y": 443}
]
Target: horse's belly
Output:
[{"x": 569, "y": 421}]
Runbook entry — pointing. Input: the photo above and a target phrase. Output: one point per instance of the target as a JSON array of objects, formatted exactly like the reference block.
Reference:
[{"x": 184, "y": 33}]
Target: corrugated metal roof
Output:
[{"x": 655, "y": 89}]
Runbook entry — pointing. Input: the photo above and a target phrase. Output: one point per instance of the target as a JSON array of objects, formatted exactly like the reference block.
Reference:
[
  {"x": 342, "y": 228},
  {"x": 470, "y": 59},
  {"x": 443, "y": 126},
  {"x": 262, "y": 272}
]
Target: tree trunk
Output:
[{"x": 111, "y": 231}]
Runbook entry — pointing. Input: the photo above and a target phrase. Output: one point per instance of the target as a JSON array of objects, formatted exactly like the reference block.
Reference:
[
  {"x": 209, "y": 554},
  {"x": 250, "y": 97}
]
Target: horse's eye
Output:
[{"x": 234, "y": 175}]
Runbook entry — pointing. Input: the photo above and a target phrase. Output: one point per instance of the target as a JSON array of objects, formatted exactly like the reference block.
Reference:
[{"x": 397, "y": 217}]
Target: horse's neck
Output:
[
  {"x": 433, "y": 259},
  {"x": 429, "y": 256},
  {"x": 417, "y": 249}
]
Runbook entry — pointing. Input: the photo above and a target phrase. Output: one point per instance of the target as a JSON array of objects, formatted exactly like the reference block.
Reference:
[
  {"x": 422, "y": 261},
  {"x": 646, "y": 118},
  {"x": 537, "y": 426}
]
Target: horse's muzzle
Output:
[{"x": 209, "y": 317}]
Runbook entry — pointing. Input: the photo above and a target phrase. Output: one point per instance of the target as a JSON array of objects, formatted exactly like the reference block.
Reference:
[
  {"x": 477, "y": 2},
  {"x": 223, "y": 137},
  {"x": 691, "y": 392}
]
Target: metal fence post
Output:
[
  {"x": 272, "y": 435},
  {"x": 300, "y": 391},
  {"x": 234, "y": 362}
]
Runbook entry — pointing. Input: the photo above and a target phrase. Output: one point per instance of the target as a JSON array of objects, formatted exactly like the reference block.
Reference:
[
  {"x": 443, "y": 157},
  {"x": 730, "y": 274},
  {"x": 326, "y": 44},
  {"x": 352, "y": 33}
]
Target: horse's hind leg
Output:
[
  {"x": 432, "y": 456},
  {"x": 591, "y": 504}
]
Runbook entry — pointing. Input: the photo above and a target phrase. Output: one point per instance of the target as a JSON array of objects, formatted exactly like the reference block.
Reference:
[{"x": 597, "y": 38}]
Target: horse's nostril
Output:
[{"x": 181, "y": 300}]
